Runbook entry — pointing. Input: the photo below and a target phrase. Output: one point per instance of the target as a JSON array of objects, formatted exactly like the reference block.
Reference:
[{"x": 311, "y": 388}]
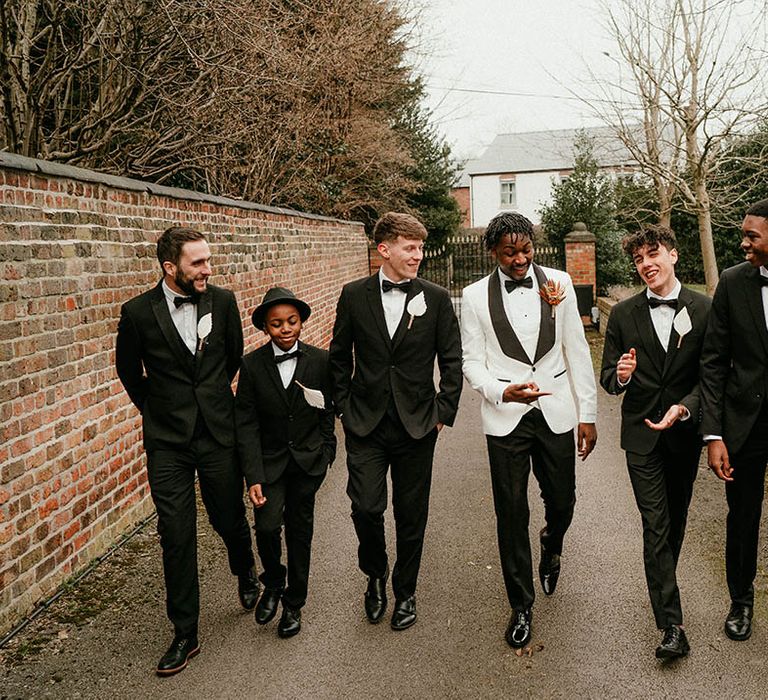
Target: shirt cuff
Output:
[
  {"x": 709, "y": 438},
  {"x": 495, "y": 391},
  {"x": 623, "y": 384},
  {"x": 686, "y": 413}
]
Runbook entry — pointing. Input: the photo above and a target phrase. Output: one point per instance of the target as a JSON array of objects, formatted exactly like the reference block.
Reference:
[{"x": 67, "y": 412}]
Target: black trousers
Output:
[
  {"x": 553, "y": 458},
  {"x": 172, "y": 484},
  {"x": 368, "y": 460},
  {"x": 663, "y": 485},
  {"x": 745, "y": 506},
  {"x": 290, "y": 502}
]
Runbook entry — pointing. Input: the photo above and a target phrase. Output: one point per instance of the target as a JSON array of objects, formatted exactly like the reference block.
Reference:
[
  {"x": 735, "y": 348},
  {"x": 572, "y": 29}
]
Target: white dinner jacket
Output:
[{"x": 494, "y": 358}]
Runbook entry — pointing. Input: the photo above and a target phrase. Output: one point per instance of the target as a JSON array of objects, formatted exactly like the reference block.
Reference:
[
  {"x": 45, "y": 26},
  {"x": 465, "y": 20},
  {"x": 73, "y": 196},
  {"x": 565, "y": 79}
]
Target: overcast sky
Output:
[{"x": 535, "y": 47}]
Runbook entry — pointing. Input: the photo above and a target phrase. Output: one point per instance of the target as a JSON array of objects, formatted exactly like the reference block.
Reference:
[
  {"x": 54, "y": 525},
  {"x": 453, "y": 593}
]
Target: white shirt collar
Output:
[
  {"x": 383, "y": 277},
  {"x": 504, "y": 276},
  {"x": 674, "y": 294},
  {"x": 279, "y": 351},
  {"x": 763, "y": 271},
  {"x": 170, "y": 295}
]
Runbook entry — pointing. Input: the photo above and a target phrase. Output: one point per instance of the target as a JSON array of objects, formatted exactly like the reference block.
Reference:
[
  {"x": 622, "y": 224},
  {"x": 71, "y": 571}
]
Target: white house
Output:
[{"x": 517, "y": 171}]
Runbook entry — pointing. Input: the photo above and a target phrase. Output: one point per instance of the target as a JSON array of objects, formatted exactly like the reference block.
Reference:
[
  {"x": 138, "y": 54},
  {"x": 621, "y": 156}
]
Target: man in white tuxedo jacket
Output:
[{"x": 525, "y": 352}]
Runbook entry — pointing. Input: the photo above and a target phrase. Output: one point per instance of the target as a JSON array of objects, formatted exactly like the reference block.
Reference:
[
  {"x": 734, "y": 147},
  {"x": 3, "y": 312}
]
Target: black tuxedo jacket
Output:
[
  {"x": 369, "y": 369},
  {"x": 661, "y": 379},
  {"x": 734, "y": 361},
  {"x": 275, "y": 424},
  {"x": 166, "y": 382}
]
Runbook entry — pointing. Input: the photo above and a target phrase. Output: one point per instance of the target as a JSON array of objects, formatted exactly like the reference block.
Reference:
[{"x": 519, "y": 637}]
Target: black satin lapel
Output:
[
  {"x": 171, "y": 335},
  {"x": 646, "y": 332},
  {"x": 402, "y": 327},
  {"x": 377, "y": 309},
  {"x": 508, "y": 340},
  {"x": 672, "y": 349},
  {"x": 754, "y": 299},
  {"x": 204, "y": 306},
  {"x": 547, "y": 323}
]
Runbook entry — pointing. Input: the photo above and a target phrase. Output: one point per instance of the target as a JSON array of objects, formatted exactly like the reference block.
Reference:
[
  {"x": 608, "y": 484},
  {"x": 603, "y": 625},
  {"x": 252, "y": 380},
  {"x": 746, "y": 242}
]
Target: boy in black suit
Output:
[
  {"x": 734, "y": 385},
  {"x": 178, "y": 348},
  {"x": 390, "y": 327},
  {"x": 651, "y": 355},
  {"x": 285, "y": 437}
]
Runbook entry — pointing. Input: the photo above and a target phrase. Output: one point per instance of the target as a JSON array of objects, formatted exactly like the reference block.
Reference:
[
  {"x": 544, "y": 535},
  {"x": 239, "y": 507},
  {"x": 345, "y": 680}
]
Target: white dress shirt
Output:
[
  {"x": 393, "y": 303},
  {"x": 288, "y": 367},
  {"x": 663, "y": 317},
  {"x": 184, "y": 318},
  {"x": 523, "y": 307}
]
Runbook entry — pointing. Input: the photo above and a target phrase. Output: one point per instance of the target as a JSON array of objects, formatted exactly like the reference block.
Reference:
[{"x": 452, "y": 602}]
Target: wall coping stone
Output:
[{"x": 35, "y": 165}]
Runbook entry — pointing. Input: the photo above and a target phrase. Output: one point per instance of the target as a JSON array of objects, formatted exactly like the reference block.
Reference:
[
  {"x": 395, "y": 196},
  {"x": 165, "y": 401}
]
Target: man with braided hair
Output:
[{"x": 525, "y": 352}]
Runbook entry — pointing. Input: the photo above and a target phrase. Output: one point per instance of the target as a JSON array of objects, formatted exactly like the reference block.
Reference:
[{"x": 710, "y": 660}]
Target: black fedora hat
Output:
[{"x": 278, "y": 295}]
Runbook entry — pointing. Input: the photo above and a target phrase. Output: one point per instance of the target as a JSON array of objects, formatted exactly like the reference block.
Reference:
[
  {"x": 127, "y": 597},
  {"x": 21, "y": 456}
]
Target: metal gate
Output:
[{"x": 463, "y": 260}]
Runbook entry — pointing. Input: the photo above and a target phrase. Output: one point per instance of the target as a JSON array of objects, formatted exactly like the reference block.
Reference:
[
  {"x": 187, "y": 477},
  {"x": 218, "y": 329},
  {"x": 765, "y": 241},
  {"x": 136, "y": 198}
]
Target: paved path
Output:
[{"x": 594, "y": 638}]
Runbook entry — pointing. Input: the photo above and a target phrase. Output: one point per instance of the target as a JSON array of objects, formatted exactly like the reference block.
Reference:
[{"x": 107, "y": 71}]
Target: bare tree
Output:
[
  {"x": 696, "y": 84},
  {"x": 286, "y": 102}
]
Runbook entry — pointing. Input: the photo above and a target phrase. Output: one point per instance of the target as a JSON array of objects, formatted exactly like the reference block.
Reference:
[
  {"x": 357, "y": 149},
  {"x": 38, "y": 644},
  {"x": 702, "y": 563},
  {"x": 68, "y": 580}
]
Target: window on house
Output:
[{"x": 508, "y": 194}]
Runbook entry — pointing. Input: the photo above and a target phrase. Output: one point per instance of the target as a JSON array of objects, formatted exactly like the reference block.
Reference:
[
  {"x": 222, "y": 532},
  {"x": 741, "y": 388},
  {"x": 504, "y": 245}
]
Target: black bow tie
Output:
[
  {"x": 655, "y": 302},
  {"x": 388, "y": 286},
  {"x": 763, "y": 281},
  {"x": 511, "y": 285},
  {"x": 287, "y": 356},
  {"x": 180, "y": 301}
]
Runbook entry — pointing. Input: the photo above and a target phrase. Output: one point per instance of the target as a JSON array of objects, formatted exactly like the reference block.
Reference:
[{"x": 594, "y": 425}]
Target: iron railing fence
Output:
[{"x": 462, "y": 260}]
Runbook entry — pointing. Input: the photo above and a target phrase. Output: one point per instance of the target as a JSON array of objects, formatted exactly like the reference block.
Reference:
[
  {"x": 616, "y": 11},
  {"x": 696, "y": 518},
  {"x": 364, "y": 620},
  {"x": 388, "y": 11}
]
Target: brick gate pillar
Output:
[{"x": 581, "y": 266}]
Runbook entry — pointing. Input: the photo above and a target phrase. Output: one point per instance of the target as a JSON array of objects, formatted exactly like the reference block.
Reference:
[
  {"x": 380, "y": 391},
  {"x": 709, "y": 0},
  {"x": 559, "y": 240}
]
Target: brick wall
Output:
[
  {"x": 461, "y": 195},
  {"x": 580, "y": 261},
  {"x": 74, "y": 245}
]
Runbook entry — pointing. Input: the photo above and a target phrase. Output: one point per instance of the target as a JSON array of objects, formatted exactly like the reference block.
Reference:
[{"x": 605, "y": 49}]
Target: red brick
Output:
[{"x": 71, "y": 459}]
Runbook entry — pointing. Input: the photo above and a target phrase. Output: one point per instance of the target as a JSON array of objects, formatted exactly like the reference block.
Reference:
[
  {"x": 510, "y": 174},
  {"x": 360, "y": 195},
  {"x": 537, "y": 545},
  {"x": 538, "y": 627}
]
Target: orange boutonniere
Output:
[{"x": 553, "y": 293}]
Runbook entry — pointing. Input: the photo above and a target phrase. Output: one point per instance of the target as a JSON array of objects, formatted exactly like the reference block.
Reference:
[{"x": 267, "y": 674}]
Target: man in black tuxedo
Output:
[
  {"x": 651, "y": 356},
  {"x": 389, "y": 329},
  {"x": 178, "y": 349},
  {"x": 734, "y": 384},
  {"x": 285, "y": 437}
]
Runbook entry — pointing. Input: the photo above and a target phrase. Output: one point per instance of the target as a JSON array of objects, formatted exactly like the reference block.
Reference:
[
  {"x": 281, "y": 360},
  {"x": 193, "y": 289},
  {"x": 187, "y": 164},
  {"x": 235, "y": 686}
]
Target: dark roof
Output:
[{"x": 546, "y": 150}]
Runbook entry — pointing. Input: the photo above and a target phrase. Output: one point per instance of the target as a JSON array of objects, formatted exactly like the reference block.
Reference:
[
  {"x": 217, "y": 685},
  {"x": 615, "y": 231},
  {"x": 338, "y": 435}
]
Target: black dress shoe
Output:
[
  {"x": 518, "y": 632},
  {"x": 248, "y": 589},
  {"x": 290, "y": 622},
  {"x": 376, "y": 599},
  {"x": 267, "y": 605},
  {"x": 738, "y": 624},
  {"x": 674, "y": 644},
  {"x": 549, "y": 568},
  {"x": 182, "y": 649},
  {"x": 404, "y": 614}
]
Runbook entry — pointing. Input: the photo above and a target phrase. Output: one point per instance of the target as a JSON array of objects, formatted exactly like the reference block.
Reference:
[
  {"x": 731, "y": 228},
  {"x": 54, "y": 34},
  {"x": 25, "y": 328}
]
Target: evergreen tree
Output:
[
  {"x": 588, "y": 196},
  {"x": 433, "y": 173}
]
